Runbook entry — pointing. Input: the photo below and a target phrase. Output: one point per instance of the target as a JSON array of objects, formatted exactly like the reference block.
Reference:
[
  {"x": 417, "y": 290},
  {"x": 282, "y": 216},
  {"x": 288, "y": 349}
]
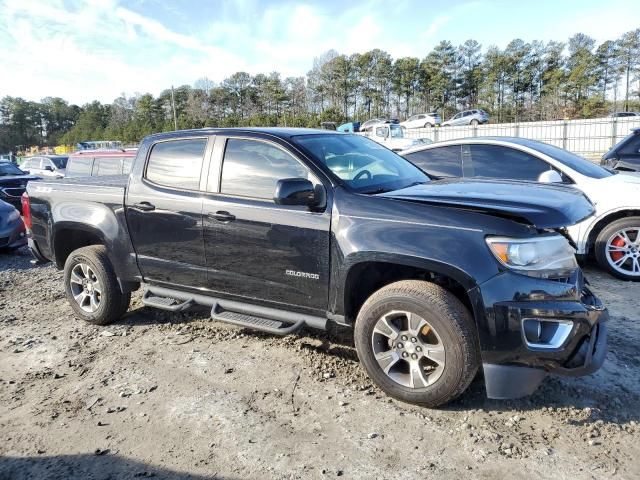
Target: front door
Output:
[
  {"x": 257, "y": 250},
  {"x": 164, "y": 213}
]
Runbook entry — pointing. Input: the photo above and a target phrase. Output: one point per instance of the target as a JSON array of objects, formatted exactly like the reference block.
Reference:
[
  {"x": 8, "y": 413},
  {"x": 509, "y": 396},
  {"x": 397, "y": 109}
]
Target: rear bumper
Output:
[{"x": 514, "y": 366}]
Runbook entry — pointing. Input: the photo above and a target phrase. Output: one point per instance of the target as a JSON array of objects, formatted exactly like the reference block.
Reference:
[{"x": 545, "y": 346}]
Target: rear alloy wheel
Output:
[
  {"x": 474, "y": 123},
  {"x": 428, "y": 125},
  {"x": 417, "y": 342},
  {"x": 92, "y": 287},
  {"x": 618, "y": 248}
]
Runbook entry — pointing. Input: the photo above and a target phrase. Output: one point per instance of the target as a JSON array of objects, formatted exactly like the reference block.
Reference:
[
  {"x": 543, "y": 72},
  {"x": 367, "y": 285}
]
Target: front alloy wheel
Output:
[
  {"x": 617, "y": 248},
  {"x": 408, "y": 349},
  {"x": 417, "y": 342}
]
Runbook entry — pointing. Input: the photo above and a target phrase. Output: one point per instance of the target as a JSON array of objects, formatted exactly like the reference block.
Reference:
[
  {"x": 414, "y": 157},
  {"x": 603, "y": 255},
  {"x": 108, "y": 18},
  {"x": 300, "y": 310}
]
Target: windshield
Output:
[
  {"x": 7, "y": 169},
  {"x": 362, "y": 164},
  {"x": 573, "y": 161},
  {"x": 60, "y": 162}
]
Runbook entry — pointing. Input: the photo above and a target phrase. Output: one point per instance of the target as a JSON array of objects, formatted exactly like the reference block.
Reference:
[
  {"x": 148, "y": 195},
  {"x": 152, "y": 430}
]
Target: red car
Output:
[{"x": 90, "y": 163}]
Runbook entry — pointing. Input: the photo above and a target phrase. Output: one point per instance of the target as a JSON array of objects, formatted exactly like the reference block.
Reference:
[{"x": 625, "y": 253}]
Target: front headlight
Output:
[{"x": 544, "y": 257}]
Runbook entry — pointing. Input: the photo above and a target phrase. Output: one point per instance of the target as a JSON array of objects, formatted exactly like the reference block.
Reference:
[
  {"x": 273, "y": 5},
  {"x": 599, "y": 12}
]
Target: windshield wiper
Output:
[{"x": 377, "y": 190}]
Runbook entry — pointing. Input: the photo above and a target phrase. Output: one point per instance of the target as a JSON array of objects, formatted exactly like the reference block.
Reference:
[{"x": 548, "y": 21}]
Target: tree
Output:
[{"x": 629, "y": 54}]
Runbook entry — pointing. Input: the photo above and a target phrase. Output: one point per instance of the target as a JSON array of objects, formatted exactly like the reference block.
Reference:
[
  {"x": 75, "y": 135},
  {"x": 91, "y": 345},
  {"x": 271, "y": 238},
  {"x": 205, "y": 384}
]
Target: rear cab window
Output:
[{"x": 80, "y": 166}]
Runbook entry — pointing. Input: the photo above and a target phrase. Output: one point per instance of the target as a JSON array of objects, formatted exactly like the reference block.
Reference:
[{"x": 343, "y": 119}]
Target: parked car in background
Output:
[
  {"x": 392, "y": 136},
  {"x": 468, "y": 117},
  {"x": 12, "y": 228},
  {"x": 625, "y": 155},
  {"x": 612, "y": 234},
  {"x": 92, "y": 163},
  {"x": 13, "y": 182},
  {"x": 276, "y": 229},
  {"x": 422, "y": 120},
  {"x": 625, "y": 114},
  {"x": 46, "y": 166},
  {"x": 368, "y": 125}
]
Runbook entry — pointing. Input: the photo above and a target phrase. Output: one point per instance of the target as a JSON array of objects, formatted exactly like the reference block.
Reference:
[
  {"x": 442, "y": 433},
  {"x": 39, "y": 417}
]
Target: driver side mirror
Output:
[
  {"x": 297, "y": 191},
  {"x": 48, "y": 168},
  {"x": 550, "y": 176}
]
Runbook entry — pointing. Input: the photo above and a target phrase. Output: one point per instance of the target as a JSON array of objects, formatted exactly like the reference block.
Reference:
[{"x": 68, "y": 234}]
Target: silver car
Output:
[{"x": 468, "y": 117}]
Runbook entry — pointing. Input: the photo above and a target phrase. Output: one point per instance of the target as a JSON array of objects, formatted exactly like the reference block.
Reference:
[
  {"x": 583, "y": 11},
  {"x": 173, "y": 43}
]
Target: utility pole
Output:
[{"x": 173, "y": 106}]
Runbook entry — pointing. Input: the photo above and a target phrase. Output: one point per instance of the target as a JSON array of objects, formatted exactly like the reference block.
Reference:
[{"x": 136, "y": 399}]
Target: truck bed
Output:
[{"x": 74, "y": 183}]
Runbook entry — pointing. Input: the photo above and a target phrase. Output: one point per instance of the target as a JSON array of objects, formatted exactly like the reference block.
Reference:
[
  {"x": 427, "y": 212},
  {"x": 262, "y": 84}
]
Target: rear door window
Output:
[
  {"x": 177, "y": 163},
  {"x": 438, "y": 162},
  {"x": 494, "y": 161}
]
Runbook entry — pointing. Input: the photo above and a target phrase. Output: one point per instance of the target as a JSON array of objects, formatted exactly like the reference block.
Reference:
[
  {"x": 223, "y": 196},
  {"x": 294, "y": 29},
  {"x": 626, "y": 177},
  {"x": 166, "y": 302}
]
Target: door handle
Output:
[
  {"x": 222, "y": 216},
  {"x": 144, "y": 206}
]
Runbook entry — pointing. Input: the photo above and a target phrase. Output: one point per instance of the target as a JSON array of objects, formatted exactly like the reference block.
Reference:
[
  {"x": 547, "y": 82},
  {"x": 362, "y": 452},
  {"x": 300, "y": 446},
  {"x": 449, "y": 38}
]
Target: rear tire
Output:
[
  {"x": 92, "y": 287},
  {"x": 617, "y": 248},
  {"x": 474, "y": 123},
  {"x": 417, "y": 342},
  {"x": 428, "y": 125}
]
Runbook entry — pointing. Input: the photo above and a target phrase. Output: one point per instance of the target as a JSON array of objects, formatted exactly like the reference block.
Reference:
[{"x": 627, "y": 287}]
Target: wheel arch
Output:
[
  {"x": 609, "y": 217},
  {"x": 368, "y": 274},
  {"x": 69, "y": 236}
]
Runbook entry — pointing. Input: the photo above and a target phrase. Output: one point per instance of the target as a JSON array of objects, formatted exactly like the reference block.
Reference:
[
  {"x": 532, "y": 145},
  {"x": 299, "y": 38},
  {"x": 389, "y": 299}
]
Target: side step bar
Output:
[
  {"x": 166, "y": 303},
  {"x": 270, "y": 320}
]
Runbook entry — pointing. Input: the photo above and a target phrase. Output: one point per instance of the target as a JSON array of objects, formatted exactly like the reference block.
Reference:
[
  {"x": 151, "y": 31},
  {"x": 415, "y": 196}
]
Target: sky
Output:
[{"x": 84, "y": 50}]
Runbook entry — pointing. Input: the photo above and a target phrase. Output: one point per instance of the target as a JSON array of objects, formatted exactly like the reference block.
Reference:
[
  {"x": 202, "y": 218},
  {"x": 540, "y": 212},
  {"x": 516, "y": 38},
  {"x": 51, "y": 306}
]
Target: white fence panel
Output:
[{"x": 592, "y": 137}]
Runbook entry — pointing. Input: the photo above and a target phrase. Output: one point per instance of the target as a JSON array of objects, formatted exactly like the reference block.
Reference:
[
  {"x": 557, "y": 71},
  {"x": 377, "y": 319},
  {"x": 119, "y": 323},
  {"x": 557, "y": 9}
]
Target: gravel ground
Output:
[{"x": 177, "y": 396}]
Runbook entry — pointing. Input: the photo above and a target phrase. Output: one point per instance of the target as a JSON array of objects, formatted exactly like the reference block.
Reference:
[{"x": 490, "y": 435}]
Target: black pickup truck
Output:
[{"x": 276, "y": 229}]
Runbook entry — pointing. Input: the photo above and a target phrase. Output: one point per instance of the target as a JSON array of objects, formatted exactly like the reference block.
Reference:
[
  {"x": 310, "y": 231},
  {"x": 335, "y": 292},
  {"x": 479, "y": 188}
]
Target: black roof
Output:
[{"x": 280, "y": 132}]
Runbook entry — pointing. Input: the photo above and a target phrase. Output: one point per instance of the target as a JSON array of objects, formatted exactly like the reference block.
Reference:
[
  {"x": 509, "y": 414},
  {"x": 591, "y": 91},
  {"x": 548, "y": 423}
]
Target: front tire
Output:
[
  {"x": 417, "y": 342},
  {"x": 474, "y": 123},
  {"x": 617, "y": 248},
  {"x": 92, "y": 287}
]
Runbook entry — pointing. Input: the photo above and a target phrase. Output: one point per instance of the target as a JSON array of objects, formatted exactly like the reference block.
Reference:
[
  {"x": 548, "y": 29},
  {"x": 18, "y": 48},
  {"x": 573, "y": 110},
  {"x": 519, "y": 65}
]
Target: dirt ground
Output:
[{"x": 177, "y": 396}]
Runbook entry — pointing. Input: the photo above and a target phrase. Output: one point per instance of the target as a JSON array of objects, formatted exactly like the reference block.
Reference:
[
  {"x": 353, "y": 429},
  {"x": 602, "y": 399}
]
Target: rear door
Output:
[
  {"x": 164, "y": 212},
  {"x": 500, "y": 162},
  {"x": 257, "y": 250}
]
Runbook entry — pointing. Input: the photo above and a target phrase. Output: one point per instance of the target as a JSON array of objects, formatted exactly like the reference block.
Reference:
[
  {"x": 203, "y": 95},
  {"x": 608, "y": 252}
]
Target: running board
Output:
[
  {"x": 266, "y": 319},
  {"x": 166, "y": 303},
  {"x": 268, "y": 325}
]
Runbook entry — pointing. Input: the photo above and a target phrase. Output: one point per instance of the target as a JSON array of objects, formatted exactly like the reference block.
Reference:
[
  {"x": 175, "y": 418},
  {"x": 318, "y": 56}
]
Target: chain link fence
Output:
[{"x": 590, "y": 138}]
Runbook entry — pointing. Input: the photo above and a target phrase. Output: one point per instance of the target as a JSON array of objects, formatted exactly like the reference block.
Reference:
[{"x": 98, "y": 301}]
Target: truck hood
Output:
[{"x": 542, "y": 206}]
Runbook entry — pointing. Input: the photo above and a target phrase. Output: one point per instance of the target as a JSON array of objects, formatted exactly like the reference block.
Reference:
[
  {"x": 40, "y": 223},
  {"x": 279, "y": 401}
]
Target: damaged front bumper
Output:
[{"x": 546, "y": 326}]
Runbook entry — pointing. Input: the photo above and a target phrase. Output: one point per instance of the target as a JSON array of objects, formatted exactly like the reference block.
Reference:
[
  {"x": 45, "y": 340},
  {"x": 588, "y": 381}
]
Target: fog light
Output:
[{"x": 546, "y": 333}]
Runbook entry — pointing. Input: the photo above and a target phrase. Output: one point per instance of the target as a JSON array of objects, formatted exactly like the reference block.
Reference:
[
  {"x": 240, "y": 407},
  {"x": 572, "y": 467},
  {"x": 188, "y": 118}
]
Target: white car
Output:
[
  {"x": 422, "y": 120},
  {"x": 612, "y": 234},
  {"x": 49, "y": 166},
  {"x": 392, "y": 136}
]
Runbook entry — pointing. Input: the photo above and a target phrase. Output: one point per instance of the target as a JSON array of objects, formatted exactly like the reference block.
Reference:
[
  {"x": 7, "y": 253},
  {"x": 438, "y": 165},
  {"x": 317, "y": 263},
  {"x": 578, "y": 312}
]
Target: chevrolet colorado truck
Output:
[{"x": 277, "y": 229}]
